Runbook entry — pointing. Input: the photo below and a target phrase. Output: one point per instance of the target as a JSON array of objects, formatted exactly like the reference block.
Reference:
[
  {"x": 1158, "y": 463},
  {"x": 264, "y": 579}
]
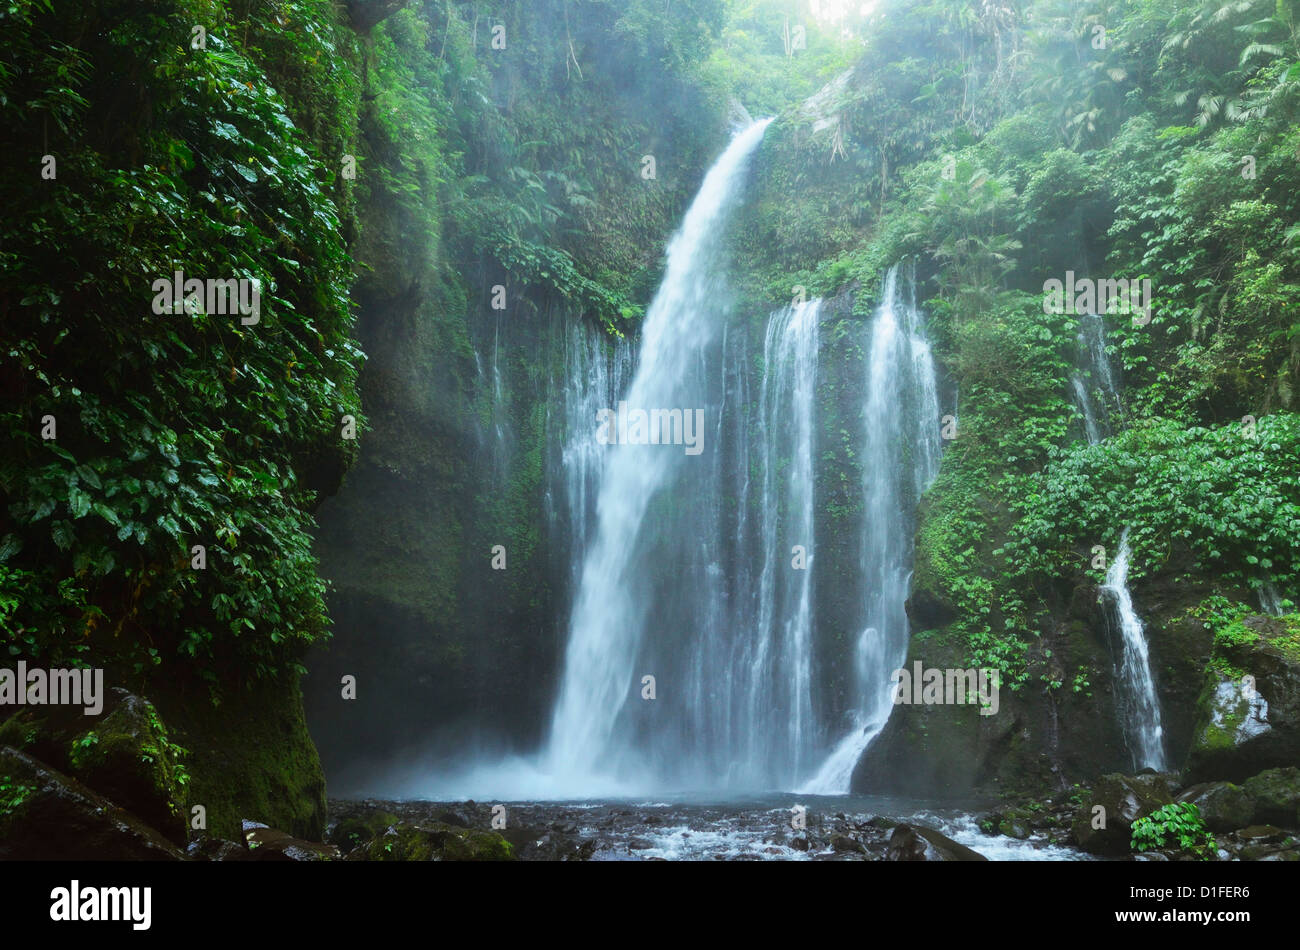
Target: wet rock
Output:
[
  {"x": 123, "y": 754},
  {"x": 639, "y": 844},
  {"x": 550, "y": 846},
  {"x": 843, "y": 844},
  {"x": 1249, "y": 722},
  {"x": 918, "y": 843},
  {"x": 1261, "y": 834},
  {"x": 1277, "y": 796},
  {"x": 800, "y": 843},
  {"x": 207, "y": 848},
  {"x": 48, "y": 816},
  {"x": 355, "y": 830},
  {"x": 1223, "y": 806},
  {"x": 434, "y": 841},
  {"x": 1016, "y": 828},
  {"x": 271, "y": 844},
  {"x": 1124, "y": 799}
]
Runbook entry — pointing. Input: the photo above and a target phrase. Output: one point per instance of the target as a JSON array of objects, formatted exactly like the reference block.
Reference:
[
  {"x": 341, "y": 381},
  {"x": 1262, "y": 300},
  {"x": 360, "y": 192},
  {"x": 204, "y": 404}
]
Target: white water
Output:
[
  {"x": 778, "y": 661},
  {"x": 901, "y": 411},
  {"x": 622, "y": 575},
  {"x": 596, "y": 374},
  {"x": 1138, "y": 700},
  {"x": 1270, "y": 601}
]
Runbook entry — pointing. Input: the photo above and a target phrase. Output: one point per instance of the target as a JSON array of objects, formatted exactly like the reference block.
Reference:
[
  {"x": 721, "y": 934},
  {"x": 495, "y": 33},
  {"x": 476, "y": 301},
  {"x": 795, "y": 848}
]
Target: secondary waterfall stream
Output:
[
  {"x": 1139, "y": 704},
  {"x": 900, "y": 457}
]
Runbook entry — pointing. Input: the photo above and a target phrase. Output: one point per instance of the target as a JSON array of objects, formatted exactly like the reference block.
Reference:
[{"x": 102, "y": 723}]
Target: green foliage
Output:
[
  {"x": 1005, "y": 147},
  {"x": 755, "y": 59},
  {"x": 1178, "y": 823},
  {"x": 179, "y": 428},
  {"x": 12, "y": 796},
  {"x": 1233, "y": 501}
]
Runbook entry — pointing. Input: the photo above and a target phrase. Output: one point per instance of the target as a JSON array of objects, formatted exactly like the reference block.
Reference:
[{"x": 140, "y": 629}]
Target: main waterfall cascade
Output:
[
  {"x": 655, "y": 556},
  {"x": 900, "y": 457},
  {"x": 690, "y": 661},
  {"x": 1138, "y": 702}
]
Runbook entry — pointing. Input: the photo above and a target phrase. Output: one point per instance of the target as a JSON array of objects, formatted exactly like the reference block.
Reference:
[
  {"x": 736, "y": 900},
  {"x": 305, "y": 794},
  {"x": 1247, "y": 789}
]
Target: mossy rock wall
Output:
[{"x": 251, "y": 757}]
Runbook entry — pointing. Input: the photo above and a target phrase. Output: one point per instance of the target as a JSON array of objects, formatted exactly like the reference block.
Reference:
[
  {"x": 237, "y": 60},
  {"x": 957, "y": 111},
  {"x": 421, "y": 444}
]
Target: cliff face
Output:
[
  {"x": 158, "y": 526},
  {"x": 539, "y": 224}
]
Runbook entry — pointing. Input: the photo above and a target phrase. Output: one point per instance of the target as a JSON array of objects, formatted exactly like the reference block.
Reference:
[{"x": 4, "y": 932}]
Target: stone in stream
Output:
[
  {"x": 844, "y": 844},
  {"x": 918, "y": 843}
]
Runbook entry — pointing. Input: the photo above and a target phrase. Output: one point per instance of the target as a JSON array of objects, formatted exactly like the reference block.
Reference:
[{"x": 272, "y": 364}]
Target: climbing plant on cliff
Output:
[{"x": 136, "y": 436}]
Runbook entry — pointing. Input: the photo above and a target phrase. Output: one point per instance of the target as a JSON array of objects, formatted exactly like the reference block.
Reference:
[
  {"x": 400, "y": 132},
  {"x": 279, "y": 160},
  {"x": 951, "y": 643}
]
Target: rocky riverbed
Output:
[{"x": 794, "y": 828}]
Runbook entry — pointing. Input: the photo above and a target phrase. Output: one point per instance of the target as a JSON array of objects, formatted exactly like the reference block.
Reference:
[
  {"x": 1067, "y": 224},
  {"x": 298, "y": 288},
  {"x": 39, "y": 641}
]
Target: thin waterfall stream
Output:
[
  {"x": 1138, "y": 701},
  {"x": 900, "y": 452}
]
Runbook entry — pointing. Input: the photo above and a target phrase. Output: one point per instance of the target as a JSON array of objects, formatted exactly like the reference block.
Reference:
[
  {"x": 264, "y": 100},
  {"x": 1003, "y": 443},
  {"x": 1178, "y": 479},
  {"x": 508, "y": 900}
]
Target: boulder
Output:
[
  {"x": 1123, "y": 800},
  {"x": 356, "y": 830},
  {"x": 1016, "y": 828},
  {"x": 843, "y": 844},
  {"x": 1277, "y": 796},
  {"x": 269, "y": 844},
  {"x": 918, "y": 843},
  {"x": 550, "y": 846},
  {"x": 434, "y": 841},
  {"x": 1223, "y": 806},
  {"x": 1248, "y": 713},
  {"x": 204, "y": 847},
  {"x": 123, "y": 754},
  {"x": 48, "y": 816}
]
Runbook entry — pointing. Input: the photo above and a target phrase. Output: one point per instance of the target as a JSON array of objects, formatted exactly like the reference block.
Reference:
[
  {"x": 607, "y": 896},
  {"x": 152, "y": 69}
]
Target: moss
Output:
[
  {"x": 18, "y": 732},
  {"x": 353, "y": 832},
  {"x": 438, "y": 842},
  {"x": 1221, "y": 734},
  {"x": 13, "y": 795},
  {"x": 251, "y": 757}
]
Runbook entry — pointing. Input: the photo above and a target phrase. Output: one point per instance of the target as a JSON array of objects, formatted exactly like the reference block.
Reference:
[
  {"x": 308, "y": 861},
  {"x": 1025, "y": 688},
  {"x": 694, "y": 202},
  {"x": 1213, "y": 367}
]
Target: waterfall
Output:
[
  {"x": 596, "y": 371},
  {"x": 900, "y": 454},
  {"x": 779, "y": 660},
  {"x": 1138, "y": 700},
  {"x": 654, "y": 559},
  {"x": 1139, "y": 705},
  {"x": 1096, "y": 391},
  {"x": 1270, "y": 600}
]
